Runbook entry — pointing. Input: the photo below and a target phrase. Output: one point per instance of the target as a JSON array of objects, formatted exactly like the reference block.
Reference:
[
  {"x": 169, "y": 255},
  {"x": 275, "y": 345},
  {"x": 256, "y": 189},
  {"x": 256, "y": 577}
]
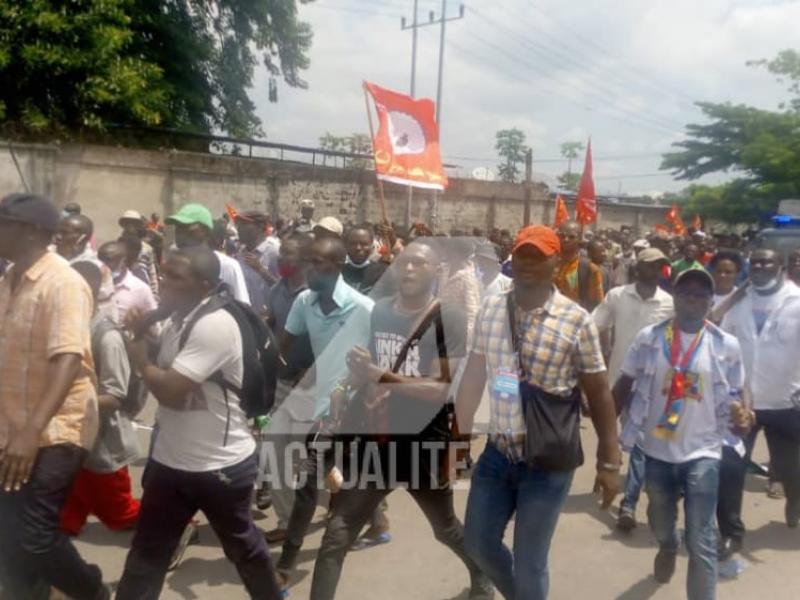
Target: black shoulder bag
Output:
[{"x": 552, "y": 422}]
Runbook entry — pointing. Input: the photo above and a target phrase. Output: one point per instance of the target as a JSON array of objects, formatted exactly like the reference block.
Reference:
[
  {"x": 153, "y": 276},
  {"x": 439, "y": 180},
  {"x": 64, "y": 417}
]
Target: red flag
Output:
[
  {"x": 697, "y": 223},
  {"x": 231, "y": 212},
  {"x": 674, "y": 219},
  {"x": 406, "y": 145},
  {"x": 659, "y": 228},
  {"x": 561, "y": 212},
  {"x": 586, "y": 202}
]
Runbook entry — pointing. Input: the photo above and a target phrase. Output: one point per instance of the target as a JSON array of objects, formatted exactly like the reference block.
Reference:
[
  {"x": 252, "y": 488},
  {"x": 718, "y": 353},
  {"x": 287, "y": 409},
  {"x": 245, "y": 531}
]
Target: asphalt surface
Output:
[{"x": 588, "y": 559}]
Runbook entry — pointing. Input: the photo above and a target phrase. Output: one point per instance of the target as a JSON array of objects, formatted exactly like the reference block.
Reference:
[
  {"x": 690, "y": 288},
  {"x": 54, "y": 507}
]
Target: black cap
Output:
[
  {"x": 30, "y": 209},
  {"x": 254, "y": 216},
  {"x": 700, "y": 275}
]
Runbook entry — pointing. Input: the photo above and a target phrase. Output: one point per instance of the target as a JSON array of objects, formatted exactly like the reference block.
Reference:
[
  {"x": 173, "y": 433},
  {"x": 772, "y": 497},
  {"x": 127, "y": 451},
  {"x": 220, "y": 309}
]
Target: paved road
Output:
[{"x": 588, "y": 559}]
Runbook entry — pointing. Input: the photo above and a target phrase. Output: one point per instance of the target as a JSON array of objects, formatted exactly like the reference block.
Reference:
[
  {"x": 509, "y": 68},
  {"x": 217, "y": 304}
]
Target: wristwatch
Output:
[{"x": 612, "y": 467}]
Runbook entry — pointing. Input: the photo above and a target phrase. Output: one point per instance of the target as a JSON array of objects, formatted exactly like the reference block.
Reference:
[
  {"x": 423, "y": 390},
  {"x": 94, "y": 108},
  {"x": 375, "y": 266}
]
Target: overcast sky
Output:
[{"x": 625, "y": 72}]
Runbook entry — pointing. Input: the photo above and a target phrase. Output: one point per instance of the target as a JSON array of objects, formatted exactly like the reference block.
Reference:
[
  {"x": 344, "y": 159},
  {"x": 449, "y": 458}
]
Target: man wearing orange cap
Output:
[{"x": 537, "y": 350}]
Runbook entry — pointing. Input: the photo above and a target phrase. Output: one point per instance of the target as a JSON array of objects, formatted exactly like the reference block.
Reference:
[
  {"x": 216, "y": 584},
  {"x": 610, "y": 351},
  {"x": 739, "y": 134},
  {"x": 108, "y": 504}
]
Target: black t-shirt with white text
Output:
[{"x": 409, "y": 416}]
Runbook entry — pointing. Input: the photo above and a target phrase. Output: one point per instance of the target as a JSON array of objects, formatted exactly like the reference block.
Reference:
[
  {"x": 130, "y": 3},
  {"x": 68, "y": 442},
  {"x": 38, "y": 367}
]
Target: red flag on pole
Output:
[
  {"x": 231, "y": 212},
  {"x": 674, "y": 219},
  {"x": 561, "y": 212},
  {"x": 406, "y": 145},
  {"x": 586, "y": 202}
]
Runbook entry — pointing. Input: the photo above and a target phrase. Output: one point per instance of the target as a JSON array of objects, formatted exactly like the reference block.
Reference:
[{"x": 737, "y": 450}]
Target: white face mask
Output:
[
  {"x": 767, "y": 286},
  {"x": 117, "y": 275}
]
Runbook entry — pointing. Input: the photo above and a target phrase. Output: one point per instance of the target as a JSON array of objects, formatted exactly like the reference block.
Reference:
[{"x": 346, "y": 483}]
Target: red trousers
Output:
[{"x": 105, "y": 495}]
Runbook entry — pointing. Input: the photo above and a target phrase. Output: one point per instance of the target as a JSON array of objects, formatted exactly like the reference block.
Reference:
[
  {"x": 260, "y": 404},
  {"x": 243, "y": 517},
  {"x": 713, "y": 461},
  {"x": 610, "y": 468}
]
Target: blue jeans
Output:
[
  {"x": 699, "y": 482},
  {"x": 634, "y": 480},
  {"x": 500, "y": 488}
]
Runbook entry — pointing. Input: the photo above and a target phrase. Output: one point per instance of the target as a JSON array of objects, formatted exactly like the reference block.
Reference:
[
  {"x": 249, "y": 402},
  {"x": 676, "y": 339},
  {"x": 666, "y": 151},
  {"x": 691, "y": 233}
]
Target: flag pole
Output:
[{"x": 372, "y": 139}]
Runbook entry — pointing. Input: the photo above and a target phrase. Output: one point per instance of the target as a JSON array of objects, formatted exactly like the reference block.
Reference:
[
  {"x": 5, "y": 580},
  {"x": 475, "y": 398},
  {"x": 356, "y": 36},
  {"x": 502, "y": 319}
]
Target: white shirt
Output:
[
  {"x": 627, "y": 313},
  {"x": 720, "y": 298},
  {"x": 194, "y": 439},
  {"x": 230, "y": 272},
  {"x": 771, "y": 357},
  {"x": 132, "y": 292},
  {"x": 704, "y": 422}
]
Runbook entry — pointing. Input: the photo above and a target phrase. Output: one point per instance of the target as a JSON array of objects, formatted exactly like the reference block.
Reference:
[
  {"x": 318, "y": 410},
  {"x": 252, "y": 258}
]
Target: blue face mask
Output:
[{"x": 322, "y": 283}]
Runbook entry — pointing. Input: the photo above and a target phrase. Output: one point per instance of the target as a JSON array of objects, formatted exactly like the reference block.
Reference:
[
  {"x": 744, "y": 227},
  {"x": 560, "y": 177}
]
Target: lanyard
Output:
[{"x": 672, "y": 351}]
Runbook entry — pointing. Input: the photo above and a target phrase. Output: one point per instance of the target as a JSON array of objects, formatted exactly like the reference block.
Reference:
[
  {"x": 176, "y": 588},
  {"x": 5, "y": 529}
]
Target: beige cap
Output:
[
  {"x": 651, "y": 255},
  {"x": 332, "y": 224},
  {"x": 131, "y": 215}
]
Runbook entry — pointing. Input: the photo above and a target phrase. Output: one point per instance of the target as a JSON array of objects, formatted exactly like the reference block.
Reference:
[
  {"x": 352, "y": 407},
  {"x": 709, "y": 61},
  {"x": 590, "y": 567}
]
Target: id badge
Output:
[{"x": 506, "y": 384}]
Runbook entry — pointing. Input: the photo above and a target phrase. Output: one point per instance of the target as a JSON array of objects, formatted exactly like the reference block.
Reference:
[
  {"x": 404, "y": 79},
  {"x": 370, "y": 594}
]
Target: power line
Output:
[
  {"x": 642, "y": 77},
  {"x": 553, "y": 54},
  {"x": 622, "y": 157},
  {"x": 627, "y": 115}
]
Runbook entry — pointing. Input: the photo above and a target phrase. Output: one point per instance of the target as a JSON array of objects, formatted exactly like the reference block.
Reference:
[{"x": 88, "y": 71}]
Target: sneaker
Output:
[
  {"x": 263, "y": 497},
  {"x": 369, "y": 541},
  {"x": 664, "y": 566},
  {"x": 626, "y": 521},
  {"x": 190, "y": 535},
  {"x": 275, "y": 536},
  {"x": 775, "y": 490}
]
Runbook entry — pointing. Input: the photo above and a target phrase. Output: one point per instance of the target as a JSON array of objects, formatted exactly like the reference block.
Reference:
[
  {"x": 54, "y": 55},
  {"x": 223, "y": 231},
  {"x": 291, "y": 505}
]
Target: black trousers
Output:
[
  {"x": 782, "y": 430},
  {"x": 314, "y": 467},
  {"x": 34, "y": 553},
  {"x": 171, "y": 497},
  {"x": 353, "y": 509}
]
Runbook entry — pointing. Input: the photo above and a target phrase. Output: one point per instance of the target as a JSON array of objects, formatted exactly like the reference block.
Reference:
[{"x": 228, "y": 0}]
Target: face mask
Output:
[
  {"x": 767, "y": 286},
  {"x": 117, "y": 275},
  {"x": 286, "y": 271},
  {"x": 362, "y": 265},
  {"x": 322, "y": 283},
  {"x": 478, "y": 273}
]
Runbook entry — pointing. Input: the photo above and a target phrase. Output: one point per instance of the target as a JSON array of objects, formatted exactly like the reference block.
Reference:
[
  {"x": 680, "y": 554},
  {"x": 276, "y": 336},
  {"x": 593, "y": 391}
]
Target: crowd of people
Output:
[{"x": 297, "y": 361}]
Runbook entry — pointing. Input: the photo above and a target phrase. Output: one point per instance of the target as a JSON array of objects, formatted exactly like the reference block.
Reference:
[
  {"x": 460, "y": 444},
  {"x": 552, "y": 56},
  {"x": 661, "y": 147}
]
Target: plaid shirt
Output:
[
  {"x": 46, "y": 315},
  {"x": 559, "y": 341}
]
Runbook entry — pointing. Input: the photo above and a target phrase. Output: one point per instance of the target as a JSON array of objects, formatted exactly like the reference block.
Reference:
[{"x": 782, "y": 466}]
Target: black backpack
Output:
[{"x": 260, "y": 355}]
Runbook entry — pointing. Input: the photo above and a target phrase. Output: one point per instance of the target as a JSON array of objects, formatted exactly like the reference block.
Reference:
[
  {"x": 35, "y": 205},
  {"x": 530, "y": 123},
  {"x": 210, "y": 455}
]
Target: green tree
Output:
[
  {"x": 357, "y": 143},
  {"x": 70, "y": 65},
  {"x": 187, "y": 64},
  {"x": 761, "y": 147},
  {"x": 510, "y": 145},
  {"x": 569, "y": 180}
]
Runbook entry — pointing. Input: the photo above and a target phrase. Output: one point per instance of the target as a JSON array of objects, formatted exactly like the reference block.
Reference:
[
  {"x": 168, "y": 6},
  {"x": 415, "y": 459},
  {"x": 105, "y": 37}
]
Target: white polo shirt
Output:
[
  {"x": 230, "y": 272},
  {"x": 195, "y": 439},
  {"x": 627, "y": 313}
]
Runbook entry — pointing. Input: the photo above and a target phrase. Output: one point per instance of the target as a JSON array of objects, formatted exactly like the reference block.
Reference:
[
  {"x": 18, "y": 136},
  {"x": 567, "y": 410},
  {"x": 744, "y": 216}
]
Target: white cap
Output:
[
  {"x": 131, "y": 215},
  {"x": 641, "y": 244},
  {"x": 332, "y": 224},
  {"x": 306, "y": 203}
]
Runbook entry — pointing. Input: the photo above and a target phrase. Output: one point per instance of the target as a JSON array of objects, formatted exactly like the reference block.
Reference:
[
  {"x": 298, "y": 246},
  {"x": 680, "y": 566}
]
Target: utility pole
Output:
[
  {"x": 414, "y": 36},
  {"x": 528, "y": 186},
  {"x": 441, "y": 21}
]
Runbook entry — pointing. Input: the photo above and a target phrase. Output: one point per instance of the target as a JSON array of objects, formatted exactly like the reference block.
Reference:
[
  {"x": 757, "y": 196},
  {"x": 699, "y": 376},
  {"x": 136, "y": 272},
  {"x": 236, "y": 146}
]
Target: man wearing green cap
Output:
[{"x": 193, "y": 227}]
